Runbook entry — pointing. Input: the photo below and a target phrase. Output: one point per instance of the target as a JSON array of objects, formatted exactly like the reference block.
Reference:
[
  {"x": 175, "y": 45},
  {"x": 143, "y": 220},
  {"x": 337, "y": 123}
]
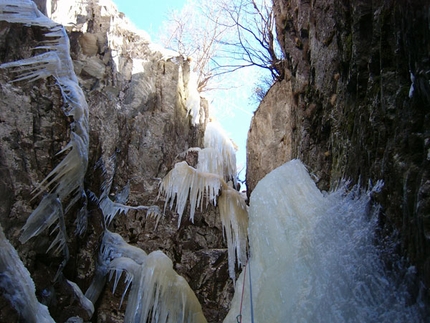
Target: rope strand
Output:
[
  {"x": 250, "y": 292},
  {"x": 239, "y": 317}
]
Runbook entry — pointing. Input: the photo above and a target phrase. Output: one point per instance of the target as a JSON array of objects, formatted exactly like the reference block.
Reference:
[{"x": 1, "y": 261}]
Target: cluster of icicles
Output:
[{"x": 157, "y": 293}]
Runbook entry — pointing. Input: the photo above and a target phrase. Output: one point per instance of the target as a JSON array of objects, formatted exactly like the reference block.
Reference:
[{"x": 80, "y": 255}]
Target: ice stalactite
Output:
[
  {"x": 185, "y": 183},
  {"x": 192, "y": 100},
  {"x": 210, "y": 160},
  {"x": 113, "y": 246},
  {"x": 157, "y": 292},
  {"x": 219, "y": 155},
  {"x": 83, "y": 300},
  {"x": 17, "y": 285},
  {"x": 313, "y": 257},
  {"x": 234, "y": 219},
  {"x": 216, "y": 165},
  {"x": 216, "y": 138},
  {"x": 65, "y": 181},
  {"x": 112, "y": 208}
]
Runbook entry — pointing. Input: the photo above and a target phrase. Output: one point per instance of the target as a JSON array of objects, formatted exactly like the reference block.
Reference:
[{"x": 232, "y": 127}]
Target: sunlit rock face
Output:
[
  {"x": 354, "y": 104},
  {"x": 138, "y": 98}
]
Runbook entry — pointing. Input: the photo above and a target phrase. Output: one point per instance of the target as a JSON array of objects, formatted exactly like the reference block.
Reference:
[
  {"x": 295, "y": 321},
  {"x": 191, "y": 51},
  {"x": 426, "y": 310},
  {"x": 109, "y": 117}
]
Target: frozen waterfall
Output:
[{"x": 313, "y": 257}]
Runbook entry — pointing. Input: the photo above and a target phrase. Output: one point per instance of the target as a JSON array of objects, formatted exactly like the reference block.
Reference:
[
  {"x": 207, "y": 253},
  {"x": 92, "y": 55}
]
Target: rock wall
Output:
[
  {"x": 355, "y": 104},
  {"x": 137, "y": 96}
]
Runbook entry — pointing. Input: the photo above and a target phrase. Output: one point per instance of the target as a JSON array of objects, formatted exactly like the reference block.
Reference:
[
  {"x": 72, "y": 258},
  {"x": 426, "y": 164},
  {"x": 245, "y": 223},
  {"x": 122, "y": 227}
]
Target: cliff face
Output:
[
  {"x": 355, "y": 104},
  {"x": 137, "y": 97}
]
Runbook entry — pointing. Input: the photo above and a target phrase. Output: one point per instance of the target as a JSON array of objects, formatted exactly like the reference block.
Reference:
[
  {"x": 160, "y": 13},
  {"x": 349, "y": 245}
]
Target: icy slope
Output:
[{"x": 313, "y": 257}]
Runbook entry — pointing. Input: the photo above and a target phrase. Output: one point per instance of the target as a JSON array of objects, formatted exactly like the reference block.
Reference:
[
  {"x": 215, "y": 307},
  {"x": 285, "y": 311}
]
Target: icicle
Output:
[
  {"x": 192, "y": 100},
  {"x": 158, "y": 293},
  {"x": 47, "y": 213},
  {"x": 184, "y": 181},
  {"x": 122, "y": 196},
  {"x": 234, "y": 218},
  {"x": 81, "y": 221},
  {"x": 211, "y": 161},
  {"x": 86, "y": 304},
  {"x": 113, "y": 246},
  {"x": 154, "y": 212},
  {"x": 156, "y": 289},
  {"x": 99, "y": 280},
  {"x": 216, "y": 138},
  {"x": 132, "y": 270},
  {"x": 17, "y": 285},
  {"x": 65, "y": 181},
  {"x": 110, "y": 209}
]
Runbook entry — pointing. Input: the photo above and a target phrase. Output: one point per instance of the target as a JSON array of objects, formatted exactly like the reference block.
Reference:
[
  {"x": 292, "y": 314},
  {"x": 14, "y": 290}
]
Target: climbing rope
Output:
[
  {"x": 239, "y": 317},
  {"x": 250, "y": 294}
]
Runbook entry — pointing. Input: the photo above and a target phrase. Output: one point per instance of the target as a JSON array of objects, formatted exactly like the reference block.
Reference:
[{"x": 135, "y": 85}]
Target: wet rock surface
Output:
[{"x": 354, "y": 105}]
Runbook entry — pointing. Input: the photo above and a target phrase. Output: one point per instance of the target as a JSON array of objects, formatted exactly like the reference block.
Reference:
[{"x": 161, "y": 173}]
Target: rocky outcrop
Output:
[
  {"x": 138, "y": 99},
  {"x": 354, "y": 104}
]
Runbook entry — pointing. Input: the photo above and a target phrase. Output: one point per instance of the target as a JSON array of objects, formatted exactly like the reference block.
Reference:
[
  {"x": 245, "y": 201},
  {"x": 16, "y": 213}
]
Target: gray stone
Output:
[{"x": 346, "y": 111}]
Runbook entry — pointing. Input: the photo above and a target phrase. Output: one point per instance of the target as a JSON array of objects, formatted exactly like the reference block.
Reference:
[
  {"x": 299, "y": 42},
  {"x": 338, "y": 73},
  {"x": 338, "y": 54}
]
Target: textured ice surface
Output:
[
  {"x": 216, "y": 138},
  {"x": 234, "y": 218},
  {"x": 184, "y": 183},
  {"x": 313, "y": 257},
  {"x": 193, "y": 99},
  {"x": 85, "y": 302},
  {"x": 157, "y": 292},
  {"x": 17, "y": 286}
]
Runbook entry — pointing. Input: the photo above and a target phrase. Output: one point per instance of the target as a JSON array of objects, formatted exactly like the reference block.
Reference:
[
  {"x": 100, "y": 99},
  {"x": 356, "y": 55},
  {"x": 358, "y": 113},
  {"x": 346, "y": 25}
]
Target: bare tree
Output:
[
  {"x": 255, "y": 43},
  {"x": 223, "y": 36},
  {"x": 192, "y": 34}
]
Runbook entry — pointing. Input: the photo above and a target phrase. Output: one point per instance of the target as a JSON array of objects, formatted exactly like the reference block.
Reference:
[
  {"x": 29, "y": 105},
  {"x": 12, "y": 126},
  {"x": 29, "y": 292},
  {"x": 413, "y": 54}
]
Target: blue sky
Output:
[
  {"x": 148, "y": 14},
  {"x": 232, "y": 108}
]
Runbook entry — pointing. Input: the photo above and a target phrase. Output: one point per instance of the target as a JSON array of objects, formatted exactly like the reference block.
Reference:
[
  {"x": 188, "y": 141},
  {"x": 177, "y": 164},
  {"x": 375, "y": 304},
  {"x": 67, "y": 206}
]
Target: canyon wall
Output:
[
  {"x": 354, "y": 104},
  {"x": 138, "y": 98}
]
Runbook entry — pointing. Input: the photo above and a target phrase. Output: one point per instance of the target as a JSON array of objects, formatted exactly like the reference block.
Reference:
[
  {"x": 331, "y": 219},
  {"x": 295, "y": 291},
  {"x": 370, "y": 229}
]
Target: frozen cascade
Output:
[
  {"x": 17, "y": 286},
  {"x": 313, "y": 258}
]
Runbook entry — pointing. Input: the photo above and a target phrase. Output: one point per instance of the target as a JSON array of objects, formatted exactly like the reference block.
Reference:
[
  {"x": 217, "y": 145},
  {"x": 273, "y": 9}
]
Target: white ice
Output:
[
  {"x": 18, "y": 287},
  {"x": 313, "y": 257}
]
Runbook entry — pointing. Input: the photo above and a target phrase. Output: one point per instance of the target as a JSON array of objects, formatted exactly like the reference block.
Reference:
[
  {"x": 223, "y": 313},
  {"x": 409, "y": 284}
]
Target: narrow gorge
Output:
[{"x": 117, "y": 190}]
